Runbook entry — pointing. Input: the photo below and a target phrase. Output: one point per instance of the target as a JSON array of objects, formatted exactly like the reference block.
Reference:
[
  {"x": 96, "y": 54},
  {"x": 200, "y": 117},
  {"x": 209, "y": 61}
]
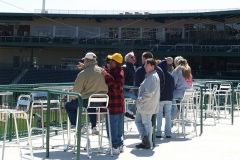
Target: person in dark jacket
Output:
[
  {"x": 114, "y": 77},
  {"x": 129, "y": 73},
  {"x": 165, "y": 102},
  {"x": 129, "y": 69},
  {"x": 140, "y": 72}
]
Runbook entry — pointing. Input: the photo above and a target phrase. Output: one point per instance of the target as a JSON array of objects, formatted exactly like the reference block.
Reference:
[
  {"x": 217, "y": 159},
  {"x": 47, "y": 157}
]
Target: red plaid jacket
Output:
[{"x": 115, "y": 82}]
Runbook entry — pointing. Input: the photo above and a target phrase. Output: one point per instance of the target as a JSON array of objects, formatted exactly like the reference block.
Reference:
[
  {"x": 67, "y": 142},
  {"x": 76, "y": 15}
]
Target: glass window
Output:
[
  {"x": 42, "y": 31},
  {"x": 89, "y": 32},
  {"x": 130, "y": 33},
  {"x": 65, "y": 31},
  {"x": 149, "y": 33}
]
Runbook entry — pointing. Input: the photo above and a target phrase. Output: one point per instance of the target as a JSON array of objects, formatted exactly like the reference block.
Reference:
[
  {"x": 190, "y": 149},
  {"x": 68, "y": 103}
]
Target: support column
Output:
[
  {"x": 183, "y": 33},
  {"x": 77, "y": 31},
  {"x": 141, "y": 33},
  {"x": 54, "y": 31},
  {"x": 119, "y": 33}
]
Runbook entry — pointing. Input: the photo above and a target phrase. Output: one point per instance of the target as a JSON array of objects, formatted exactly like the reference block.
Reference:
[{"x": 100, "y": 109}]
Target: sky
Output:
[{"x": 162, "y": 5}]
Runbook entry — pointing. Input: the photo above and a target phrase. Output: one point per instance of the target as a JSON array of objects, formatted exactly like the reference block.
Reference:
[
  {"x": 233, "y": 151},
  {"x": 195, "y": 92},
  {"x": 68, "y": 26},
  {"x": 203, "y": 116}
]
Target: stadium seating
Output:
[
  {"x": 48, "y": 76},
  {"x": 8, "y": 75}
]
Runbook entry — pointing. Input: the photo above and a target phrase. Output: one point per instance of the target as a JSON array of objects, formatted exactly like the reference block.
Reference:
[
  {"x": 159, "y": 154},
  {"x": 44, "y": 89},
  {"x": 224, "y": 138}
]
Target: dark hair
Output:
[
  {"x": 147, "y": 55},
  {"x": 152, "y": 62}
]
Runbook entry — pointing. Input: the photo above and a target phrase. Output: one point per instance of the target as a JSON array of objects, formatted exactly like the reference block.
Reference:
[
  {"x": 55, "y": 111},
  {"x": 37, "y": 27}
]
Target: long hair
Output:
[{"x": 186, "y": 69}]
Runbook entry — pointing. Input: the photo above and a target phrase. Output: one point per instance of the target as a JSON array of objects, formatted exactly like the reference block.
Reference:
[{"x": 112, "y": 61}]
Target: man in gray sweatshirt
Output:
[{"x": 147, "y": 104}]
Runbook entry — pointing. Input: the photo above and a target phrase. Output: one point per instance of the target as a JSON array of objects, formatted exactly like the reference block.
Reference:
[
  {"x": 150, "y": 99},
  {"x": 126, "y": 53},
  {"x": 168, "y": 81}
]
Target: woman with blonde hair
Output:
[
  {"x": 186, "y": 71},
  {"x": 182, "y": 75}
]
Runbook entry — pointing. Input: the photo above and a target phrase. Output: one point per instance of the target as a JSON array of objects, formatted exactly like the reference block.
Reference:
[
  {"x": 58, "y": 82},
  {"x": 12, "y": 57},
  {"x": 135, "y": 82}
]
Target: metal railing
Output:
[
  {"x": 54, "y": 89},
  {"x": 50, "y": 92},
  {"x": 128, "y": 12}
]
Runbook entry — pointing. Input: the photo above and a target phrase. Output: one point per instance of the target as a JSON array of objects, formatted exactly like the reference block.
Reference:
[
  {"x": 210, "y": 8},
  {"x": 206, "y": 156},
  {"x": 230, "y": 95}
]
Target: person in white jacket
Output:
[{"x": 147, "y": 104}]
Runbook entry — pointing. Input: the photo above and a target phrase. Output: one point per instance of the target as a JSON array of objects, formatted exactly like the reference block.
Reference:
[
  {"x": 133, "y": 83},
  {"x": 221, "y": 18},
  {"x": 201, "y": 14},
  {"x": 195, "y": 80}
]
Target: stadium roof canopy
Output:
[{"x": 157, "y": 17}]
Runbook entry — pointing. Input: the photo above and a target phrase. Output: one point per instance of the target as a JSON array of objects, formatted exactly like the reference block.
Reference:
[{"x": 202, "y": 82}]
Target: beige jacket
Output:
[{"x": 90, "y": 81}]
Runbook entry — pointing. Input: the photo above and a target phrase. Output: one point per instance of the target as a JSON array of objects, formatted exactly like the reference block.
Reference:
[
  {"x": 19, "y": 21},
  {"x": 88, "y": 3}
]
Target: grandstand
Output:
[{"x": 51, "y": 44}]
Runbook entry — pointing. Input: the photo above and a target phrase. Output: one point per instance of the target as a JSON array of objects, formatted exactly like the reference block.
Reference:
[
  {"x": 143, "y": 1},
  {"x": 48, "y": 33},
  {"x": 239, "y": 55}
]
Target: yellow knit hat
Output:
[{"x": 116, "y": 57}]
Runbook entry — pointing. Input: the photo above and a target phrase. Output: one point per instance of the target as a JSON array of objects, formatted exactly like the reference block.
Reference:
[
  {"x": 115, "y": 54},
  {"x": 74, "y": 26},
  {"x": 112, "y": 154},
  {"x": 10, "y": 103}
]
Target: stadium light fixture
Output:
[{"x": 43, "y": 7}]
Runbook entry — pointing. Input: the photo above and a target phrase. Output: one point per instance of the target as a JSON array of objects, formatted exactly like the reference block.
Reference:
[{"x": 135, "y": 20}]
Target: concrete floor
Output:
[{"x": 220, "y": 142}]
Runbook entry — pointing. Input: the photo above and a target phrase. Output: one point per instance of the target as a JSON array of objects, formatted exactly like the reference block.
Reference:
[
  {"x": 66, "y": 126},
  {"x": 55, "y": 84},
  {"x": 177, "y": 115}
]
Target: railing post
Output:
[
  {"x": 201, "y": 113},
  {"x": 10, "y": 119},
  {"x": 232, "y": 101},
  {"x": 80, "y": 104},
  {"x": 48, "y": 124}
]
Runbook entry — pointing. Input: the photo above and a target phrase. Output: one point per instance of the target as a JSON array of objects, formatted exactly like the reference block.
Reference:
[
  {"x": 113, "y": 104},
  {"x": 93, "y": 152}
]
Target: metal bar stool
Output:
[
  {"x": 100, "y": 103},
  {"x": 23, "y": 104},
  {"x": 39, "y": 100},
  {"x": 187, "y": 113}
]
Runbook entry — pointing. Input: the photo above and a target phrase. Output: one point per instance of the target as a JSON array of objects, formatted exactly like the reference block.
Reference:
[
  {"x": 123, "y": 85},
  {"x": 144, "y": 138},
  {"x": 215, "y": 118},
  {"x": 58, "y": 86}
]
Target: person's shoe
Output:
[
  {"x": 129, "y": 115},
  {"x": 146, "y": 142},
  {"x": 95, "y": 131},
  {"x": 116, "y": 151},
  {"x": 140, "y": 146},
  {"x": 168, "y": 137},
  {"x": 121, "y": 149},
  {"x": 83, "y": 130},
  {"x": 158, "y": 136},
  {"x": 73, "y": 127}
]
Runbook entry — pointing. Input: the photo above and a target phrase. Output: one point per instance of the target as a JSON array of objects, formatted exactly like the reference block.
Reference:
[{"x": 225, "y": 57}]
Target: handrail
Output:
[
  {"x": 50, "y": 92},
  {"x": 231, "y": 82}
]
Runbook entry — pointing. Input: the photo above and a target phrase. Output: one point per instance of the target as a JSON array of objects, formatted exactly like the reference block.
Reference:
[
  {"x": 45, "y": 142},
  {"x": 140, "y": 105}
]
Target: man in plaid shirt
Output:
[{"x": 114, "y": 77}]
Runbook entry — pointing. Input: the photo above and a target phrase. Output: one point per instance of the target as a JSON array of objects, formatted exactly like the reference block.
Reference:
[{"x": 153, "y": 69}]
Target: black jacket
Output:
[
  {"x": 167, "y": 94},
  {"x": 140, "y": 76},
  {"x": 129, "y": 72}
]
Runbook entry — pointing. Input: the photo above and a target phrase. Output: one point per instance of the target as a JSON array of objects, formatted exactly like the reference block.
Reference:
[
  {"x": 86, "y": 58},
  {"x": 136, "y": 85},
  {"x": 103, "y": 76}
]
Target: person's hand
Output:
[
  {"x": 140, "y": 100},
  {"x": 80, "y": 65},
  {"x": 104, "y": 72}
]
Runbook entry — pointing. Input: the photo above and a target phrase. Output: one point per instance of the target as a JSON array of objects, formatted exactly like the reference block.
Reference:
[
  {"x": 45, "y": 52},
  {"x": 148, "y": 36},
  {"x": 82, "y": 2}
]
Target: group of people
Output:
[{"x": 160, "y": 87}]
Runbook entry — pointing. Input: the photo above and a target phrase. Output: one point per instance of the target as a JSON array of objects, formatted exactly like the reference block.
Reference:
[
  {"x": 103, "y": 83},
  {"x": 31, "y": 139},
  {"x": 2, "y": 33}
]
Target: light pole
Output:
[{"x": 43, "y": 6}]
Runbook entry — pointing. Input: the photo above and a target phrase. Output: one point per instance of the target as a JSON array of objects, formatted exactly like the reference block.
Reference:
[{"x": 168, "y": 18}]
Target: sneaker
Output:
[
  {"x": 73, "y": 127},
  {"x": 158, "y": 136},
  {"x": 129, "y": 115},
  {"x": 121, "y": 149},
  {"x": 140, "y": 145},
  {"x": 83, "y": 130},
  {"x": 116, "y": 151},
  {"x": 95, "y": 131}
]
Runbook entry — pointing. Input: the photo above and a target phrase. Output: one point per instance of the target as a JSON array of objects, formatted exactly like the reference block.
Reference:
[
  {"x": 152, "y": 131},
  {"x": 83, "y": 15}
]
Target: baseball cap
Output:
[
  {"x": 169, "y": 60},
  {"x": 90, "y": 55},
  {"x": 116, "y": 57}
]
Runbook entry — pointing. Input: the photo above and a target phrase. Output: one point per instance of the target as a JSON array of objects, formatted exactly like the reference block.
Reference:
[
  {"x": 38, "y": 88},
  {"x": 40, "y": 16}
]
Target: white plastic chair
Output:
[
  {"x": 223, "y": 93},
  {"x": 238, "y": 98},
  {"x": 102, "y": 109},
  {"x": 187, "y": 112},
  {"x": 23, "y": 104},
  {"x": 211, "y": 100},
  {"x": 39, "y": 100},
  {"x": 128, "y": 101}
]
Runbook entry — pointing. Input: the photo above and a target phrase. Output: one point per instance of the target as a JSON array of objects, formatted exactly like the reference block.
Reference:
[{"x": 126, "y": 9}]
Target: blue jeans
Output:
[
  {"x": 144, "y": 125},
  {"x": 71, "y": 109},
  {"x": 167, "y": 106},
  {"x": 116, "y": 125}
]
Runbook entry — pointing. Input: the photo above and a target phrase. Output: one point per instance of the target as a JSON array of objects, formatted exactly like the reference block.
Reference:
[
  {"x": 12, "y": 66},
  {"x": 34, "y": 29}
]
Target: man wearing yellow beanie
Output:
[{"x": 114, "y": 77}]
